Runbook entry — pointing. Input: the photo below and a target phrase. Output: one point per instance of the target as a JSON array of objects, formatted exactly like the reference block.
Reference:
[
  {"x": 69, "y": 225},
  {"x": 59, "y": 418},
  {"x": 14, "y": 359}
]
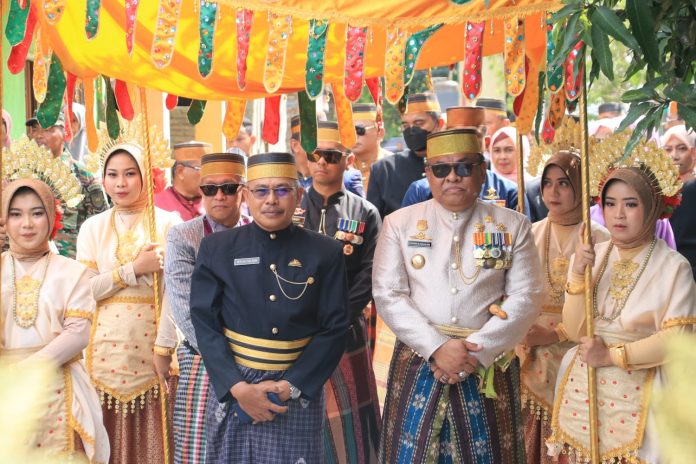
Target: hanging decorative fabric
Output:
[
  {"x": 526, "y": 104},
  {"x": 234, "y": 116},
  {"x": 279, "y": 30},
  {"x": 195, "y": 111},
  {"x": 90, "y": 127},
  {"x": 47, "y": 113},
  {"x": 314, "y": 66},
  {"x": 464, "y": 2},
  {"x": 554, "y": 74},
  {"x": 573, "y": 71},
  {"x": 112, "y": 123},
  {"x": 69, "y": 96},
  {"x": 394, "y": 63},
  {"x": 123, "y": 100},
  {"x": 244, "y": 20},
  {"x": 131, "y": 15},
  {"x": 53, "y": 9},
  {"x": 271, "y": 119},
  {"x": 403, "y": 102},
  {"x": 171, "y": 101},
  {"x": 40, "y": 67},
  {"x": 92, "y": 18},
  {"x": 344, "y": 116},
  {"x": 206, "y": 24},
  {"x": 308, "y": 122},
  {"x": 548, "y": 133},
  {"x": 18, "y": 54},
  {"x": 17, "y": 21},
  {"x": 164, "y": 36},
  {"x": 473, "y": 60},
  {"x": 514, "y": 50},
  {"x": 374, "y": 85},
  {"x": 554, "y": 116},
  {"x": 414, "y": 45},
  {"x": 353, "y": 75}
]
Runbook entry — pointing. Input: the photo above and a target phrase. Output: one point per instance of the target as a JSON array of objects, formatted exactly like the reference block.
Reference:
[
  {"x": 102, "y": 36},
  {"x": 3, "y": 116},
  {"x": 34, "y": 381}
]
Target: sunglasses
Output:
[
  {"x": 210, "y": 190},
  {"x": 461, "y": 169},
  {"x": 361, "y": 130},
  {"x": 330, "y": 156},
  {"x": 262, "y": 192}
]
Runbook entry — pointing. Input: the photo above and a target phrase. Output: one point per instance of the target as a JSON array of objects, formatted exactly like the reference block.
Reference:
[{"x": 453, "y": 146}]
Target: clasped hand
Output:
[
  {"x": 452, "y": 358},
  {"x": 253, "y": 398}
]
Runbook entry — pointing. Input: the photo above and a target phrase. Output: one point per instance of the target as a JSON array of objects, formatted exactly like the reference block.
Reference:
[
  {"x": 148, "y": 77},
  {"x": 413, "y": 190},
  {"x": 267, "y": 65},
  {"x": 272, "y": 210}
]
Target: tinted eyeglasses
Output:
[
  {"x": 461, "y": 169},
  {"x": 262, "y": 192},
  {"x": 361, "y": 130},
  {"x": 195, "y": 167},
  {"x": 210, "y": 190},
  {"x": 330, "y": 156}
]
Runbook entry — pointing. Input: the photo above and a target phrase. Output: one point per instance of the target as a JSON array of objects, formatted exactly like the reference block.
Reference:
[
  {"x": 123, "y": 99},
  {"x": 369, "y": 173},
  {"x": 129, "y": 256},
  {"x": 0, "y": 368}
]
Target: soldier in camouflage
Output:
[{"x": 94, "y": 202}]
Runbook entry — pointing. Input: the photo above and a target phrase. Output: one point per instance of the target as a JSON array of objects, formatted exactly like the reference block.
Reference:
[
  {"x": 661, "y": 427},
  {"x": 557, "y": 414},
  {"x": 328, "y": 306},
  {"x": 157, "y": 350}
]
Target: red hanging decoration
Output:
[
  {"x": 271, "y": 119},
  {"x": 18, "y": 54},
  {"x": 473, "y": 61},
  {"x": 374, "y": 85},
  {"x": 171, "y": 101},
  {"x": 573, "y": 80},
  {"x": 123, "y": 100}
]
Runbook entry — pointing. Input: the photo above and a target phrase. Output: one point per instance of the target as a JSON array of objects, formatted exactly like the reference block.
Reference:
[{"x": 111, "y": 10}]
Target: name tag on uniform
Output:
[
  {"x": 246, "y": 261},
  {"x": 420, "y": 243}
]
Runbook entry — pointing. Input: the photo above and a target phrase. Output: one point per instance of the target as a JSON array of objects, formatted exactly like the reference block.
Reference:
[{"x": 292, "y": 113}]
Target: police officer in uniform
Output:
[{"x": 269, "y": 308}]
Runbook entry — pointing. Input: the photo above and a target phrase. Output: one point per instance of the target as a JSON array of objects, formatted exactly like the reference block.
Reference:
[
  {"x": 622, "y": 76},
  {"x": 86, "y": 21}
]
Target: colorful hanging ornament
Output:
[
  {"x": 244, "y": 20},
  {"x": 90, "y": 127},
  {"x": 234, "y": 116},
  {"x": 526, "y": 104},
  {"x": 70, "y": 81},
  {"x": 279, "y": 31},
  {"x": 573, "y": 71},
  {"x": 92, "y": 18},
  {"x": 208, "y": 14},
  {"x": 171, "y": 101},
  {"x": 314, "y": 66},
  {"x": 414, "y": 45},
  {"x": 554, "y": 74},
  {"x": 473, "y": 60},
  {"x": 40, "y": 68},
  {"x": 112, "y": 123},
  {"x": 374, "y": 85},
  {"x": 344, "y": 116},
  {"x": 514, "y": 50},
  {"x": 53, "y": 10},
  {"x": 353, "y": 75},
  {"x": 554, "y": 117},
  {"x": 131, "y": 15},
  {"x": 271, "y": 119},
  {"x": 17, "y": 21},
  {"x": 47, "y": 113},
  {"x": 18, "y": 54},
  {"x": 195, "y": 111},
  {"x": 394, "y": 63},
  {"x": 308, "y": 122},
  {"x": 164, "y": 36},
  {"x": 123, "y": 100}
]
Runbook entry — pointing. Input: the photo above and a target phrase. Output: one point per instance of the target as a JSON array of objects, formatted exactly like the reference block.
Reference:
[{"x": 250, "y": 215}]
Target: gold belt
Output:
[
  {"x": 264, "y": 354},
  {"x": 454, "y": 331},
  {"x": 554, "y": 309}
]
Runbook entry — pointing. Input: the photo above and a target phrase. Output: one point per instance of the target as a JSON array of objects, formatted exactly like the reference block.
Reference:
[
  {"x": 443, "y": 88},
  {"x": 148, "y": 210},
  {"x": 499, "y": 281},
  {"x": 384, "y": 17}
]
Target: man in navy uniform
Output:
[
  {"x": 269, "y": 308},
  {"x": 352, "y": 426}
]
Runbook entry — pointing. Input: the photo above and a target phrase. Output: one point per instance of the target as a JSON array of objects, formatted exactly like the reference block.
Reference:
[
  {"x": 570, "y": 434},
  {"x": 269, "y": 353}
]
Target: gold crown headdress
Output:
[
  {"x": 567, "y": 138},
  {"x": 608, "y": 154},
  {"x": 27, "y": 160},
  {"x": 131, "y": 132}
]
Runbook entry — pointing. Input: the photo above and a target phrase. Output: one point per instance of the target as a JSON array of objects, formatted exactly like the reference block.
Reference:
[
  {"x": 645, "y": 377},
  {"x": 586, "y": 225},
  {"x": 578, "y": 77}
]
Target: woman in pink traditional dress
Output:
[
  {"x": 45, "y": 319},
  {"x": 644, "y": 293},
  {"x": 120, "y": 353},
  {"x": 541, "y": 351}
]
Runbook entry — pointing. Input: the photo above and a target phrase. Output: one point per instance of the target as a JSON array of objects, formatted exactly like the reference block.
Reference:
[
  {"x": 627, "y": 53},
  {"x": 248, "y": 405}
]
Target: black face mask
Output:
[{"x": 416, "y": 138}]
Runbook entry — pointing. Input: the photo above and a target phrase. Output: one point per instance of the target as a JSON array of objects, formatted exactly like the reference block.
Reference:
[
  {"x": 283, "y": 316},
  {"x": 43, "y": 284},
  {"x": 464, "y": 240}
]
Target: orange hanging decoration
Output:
[
  {"x": 164, "y": 37},
  {"x": 514, "y": 50},
  {"x": 40, "y": 67},
  {"x": 344, "y": 115},
  {"x": 279, "y": 31},
  {"x": 394, "y": 63},
  {"x": 525, "y": 105},
  {"x": 90, "y": 128},
  {"x": 234, "y": 116}
]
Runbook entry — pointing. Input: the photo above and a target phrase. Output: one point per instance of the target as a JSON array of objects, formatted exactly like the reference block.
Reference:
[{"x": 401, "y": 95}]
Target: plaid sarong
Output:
[
  {"x": 426, "y": 421},
  {"x": 189, "y": 409}
]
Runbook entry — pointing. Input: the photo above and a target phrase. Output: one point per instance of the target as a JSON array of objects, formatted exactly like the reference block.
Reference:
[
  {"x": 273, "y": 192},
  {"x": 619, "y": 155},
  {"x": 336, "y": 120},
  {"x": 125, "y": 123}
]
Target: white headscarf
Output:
[
  {"x": 78, "y": 144},
  {"x": 510, "y": 132}
]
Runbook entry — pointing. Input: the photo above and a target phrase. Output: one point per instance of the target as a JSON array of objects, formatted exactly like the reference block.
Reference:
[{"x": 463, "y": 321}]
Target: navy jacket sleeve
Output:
[
  {"x": 206, "y": 308},
  {"x": 352, "y": 179},
  {"x": 321, "y": 356},
  {"x": 360, "y": 291}
]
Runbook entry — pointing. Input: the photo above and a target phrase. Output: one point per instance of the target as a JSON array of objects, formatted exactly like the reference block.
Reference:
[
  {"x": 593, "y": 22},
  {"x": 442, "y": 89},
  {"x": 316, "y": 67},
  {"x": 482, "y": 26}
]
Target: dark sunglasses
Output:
[
  {"x": 361, "y": 130},
  {"x": 461, "y": 169},
  {"x": 210, "y": 190},
  {"x": 330, "y": 156}
]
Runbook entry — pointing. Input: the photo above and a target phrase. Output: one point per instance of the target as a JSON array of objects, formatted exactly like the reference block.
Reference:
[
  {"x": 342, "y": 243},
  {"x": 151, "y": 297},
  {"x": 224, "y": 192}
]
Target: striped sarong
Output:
[
  {"x": 351, "y": 432},
  {"x": 426, "y": 421},
  {"x": 189, "y": 408}
]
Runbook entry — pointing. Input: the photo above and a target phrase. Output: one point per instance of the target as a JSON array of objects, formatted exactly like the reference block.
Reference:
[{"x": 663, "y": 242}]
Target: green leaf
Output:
[
  {"x": 601, "y": 52},
  {"x": 612, "y": 25},
  {"x": 688, "y": 113},
  {"x": 635, "y": 111},
  {"x": 638, "y": 95},
  {"x": 567, "y": 11},
  {"x": 567, "y": 36},
  {"x": 639, "y": 131},
  {"x": 640, "y": 17},
  {"x": 680, "y": 92}
]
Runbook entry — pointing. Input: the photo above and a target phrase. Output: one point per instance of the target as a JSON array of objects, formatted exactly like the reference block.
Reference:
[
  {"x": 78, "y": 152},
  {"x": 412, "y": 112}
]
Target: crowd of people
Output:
[{"x": 348, "y": 305}]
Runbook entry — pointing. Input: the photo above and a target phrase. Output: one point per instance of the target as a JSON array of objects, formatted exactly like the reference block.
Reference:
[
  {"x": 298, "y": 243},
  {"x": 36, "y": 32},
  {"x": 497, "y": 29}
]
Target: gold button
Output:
[
  {"x": 273, "y": 236},
  {"x": 273, "y": 267},
  {"x": 310, "y": 280},
  {"x": 272, "y": 297},
  {"x": 274, "y": 330},
  {"x": 418, "y": 261}
]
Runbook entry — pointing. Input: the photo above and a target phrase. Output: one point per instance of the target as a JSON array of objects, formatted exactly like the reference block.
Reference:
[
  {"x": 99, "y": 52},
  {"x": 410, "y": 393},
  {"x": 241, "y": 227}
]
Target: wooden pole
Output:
[
  {"x": 589, "y": 307},
  {"x": 152, "y": 229},
  {"x": 520, "y": 173}
]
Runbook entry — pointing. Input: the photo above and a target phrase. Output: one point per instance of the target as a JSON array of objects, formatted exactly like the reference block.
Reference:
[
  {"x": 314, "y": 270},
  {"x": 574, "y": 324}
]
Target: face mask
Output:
[{"x": 416, "y": 138}]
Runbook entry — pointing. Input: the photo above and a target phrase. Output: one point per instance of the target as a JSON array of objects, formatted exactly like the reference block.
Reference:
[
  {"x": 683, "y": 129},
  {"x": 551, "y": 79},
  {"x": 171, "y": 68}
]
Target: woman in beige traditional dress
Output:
[
  {"x": 644, "y": 293},
  {"x": 120, "y": 353},
  {"x": 45, "y": 318},
  {"x": 541, "y": 351}
]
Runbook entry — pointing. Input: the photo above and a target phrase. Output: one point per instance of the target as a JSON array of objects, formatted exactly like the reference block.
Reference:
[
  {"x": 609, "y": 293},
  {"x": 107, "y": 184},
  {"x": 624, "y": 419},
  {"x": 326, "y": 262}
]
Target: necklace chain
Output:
[
  {"x": 124, "y": 257},
  {"x": 27, "y": 318},
  {"x": 556, "y": 293}
]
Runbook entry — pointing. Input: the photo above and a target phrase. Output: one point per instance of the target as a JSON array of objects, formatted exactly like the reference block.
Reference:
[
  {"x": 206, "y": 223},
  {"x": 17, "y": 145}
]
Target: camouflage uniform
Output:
[{"x": 93, "y": 203}]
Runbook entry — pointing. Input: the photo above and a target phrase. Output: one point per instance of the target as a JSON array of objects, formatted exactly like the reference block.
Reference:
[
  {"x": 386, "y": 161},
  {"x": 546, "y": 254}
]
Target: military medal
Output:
[
  {"x": 298, "y": 217},
  {"x": 420, "y": 239},
  {"x": 347, "y": 249},
  {"x": 349, "y": 231}
]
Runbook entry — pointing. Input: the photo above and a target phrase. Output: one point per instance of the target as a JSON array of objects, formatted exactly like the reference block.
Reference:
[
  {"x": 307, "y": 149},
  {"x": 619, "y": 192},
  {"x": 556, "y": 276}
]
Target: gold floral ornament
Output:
[
  {"x": 567, "y": 138},
  {"x": 27, "y": 160}
]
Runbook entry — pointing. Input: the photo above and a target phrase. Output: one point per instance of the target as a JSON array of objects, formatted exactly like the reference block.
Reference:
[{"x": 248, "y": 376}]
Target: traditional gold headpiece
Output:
[
  {"x": 131, "y": 132},
  {"x": 27, "y": 160},
  {"x": 567, "y": 138}
]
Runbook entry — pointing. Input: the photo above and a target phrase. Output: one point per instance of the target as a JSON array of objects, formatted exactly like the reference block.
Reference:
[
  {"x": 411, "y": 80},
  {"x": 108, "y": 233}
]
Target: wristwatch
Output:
[{"x": 294, "y": 392}]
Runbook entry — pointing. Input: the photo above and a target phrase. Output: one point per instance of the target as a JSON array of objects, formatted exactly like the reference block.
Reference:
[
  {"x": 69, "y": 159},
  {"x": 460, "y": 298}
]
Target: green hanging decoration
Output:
[
  {"x": 206, "y": 24},
  {"x": 17, "y": 22},
  {"x": 314, "y": 67},
  {"x": 112, "y": 124},
  {"x": 308, "y": 122},
  {"x": 49, "y": 110},
  {"x": 554, "y": 74},
  {"x": 195, "y": 111},
  {"x": 92, "y": 18},
  {"x": 414, "y": 45}
]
